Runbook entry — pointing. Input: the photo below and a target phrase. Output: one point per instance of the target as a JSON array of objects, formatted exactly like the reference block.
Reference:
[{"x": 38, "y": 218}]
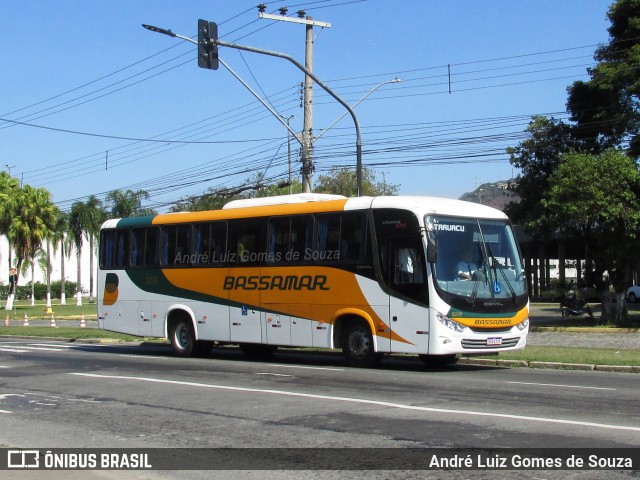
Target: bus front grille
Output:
[{"x": 482, "y": 343}]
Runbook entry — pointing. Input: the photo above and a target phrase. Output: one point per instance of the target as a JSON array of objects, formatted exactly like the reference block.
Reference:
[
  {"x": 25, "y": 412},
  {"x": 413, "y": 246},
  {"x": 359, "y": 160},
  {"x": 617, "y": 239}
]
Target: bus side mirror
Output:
[{"x": 432, "y": 247}]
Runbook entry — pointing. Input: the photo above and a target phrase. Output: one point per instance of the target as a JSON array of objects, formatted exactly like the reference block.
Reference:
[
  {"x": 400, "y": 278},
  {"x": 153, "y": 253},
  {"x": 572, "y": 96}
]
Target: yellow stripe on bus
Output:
[
  {"x": 251, "y": 212},
  {"x": 330, "y": 292}
]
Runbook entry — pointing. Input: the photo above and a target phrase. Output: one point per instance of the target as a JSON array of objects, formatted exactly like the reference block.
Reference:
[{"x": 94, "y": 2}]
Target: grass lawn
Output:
[{"x": 589, "y": 356}]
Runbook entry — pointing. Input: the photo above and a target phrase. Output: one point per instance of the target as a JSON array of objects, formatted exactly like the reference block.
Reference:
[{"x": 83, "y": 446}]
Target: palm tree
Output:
[
  {"x": 85, "y": 220},
  {"x": 30, "y": 225},
  {"x": 59, "y": 238},
  {"x": 44, "y": 263},
  {"x": 96, "y": 217},
  {"x": 9, "y": 187},
  {"x": 128, "y": 203}
]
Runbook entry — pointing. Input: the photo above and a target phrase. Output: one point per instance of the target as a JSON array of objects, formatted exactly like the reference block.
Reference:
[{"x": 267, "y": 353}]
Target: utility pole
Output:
[{"x": 307, "y": 127}]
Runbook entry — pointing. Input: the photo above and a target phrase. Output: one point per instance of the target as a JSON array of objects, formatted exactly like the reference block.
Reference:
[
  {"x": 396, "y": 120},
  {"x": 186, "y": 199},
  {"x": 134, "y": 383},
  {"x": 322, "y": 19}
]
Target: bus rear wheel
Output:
[
  {"x": 183, "y": 338},
  {"x": 357, "y": 345}
]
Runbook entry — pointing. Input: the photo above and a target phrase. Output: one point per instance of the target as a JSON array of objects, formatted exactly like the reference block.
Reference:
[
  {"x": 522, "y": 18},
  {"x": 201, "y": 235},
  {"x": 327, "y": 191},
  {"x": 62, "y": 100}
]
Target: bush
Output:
[{"x": 23, "y": 292}]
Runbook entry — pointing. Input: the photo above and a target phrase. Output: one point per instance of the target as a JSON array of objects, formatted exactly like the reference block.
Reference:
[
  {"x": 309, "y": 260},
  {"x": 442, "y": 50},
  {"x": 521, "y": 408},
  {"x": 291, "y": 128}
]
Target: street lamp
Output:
[
  {"x": 359, "y": 152},
  {"x": 395, "y": 80}
]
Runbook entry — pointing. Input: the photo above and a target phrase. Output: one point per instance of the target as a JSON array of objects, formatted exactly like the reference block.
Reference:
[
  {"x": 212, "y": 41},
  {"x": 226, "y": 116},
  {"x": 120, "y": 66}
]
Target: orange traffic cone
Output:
[
  {"x": 82, "y": 324},
  {"x": 53, "y": 321},
  {"x": 26, "y": 320},
  {"x": 6, "y": 320}
]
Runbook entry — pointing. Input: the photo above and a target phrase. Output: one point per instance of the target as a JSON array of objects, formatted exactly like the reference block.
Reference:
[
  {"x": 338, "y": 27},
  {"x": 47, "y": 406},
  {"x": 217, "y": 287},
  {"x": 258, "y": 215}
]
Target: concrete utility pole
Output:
[{"x": 307, "y": 128}]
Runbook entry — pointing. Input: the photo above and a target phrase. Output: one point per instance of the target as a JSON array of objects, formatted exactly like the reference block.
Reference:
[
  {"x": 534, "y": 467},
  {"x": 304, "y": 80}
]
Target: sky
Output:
[{"x": 91, "y": 102}]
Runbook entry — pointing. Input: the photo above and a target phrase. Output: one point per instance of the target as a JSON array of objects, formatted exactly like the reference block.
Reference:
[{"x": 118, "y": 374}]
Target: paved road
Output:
[{"x": 56, "y": 394}]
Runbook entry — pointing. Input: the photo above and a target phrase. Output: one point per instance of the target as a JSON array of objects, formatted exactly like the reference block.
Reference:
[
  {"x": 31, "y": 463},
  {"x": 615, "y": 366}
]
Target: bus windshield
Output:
[{"x": 477, "y": 259}]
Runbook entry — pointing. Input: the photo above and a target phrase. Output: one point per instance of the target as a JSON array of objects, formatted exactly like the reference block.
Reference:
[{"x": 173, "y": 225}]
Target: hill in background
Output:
[{"x": 496, "y": 195}]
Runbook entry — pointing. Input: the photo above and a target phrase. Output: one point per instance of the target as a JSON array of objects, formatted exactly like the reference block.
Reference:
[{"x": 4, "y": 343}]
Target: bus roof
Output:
[
  {"x": 317, "y": 203},
  {"x": 283, "y": 200}
]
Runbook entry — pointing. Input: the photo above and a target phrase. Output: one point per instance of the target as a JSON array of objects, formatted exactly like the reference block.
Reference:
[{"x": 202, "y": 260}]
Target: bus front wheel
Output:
[{"x": 357, "y": 345}]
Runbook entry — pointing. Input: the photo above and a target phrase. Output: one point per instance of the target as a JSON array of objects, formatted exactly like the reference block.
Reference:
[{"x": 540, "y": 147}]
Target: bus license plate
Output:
[{"x": 494, "y": 341}]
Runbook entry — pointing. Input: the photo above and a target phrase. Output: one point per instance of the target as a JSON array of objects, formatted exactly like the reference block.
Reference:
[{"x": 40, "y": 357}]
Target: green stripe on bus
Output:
[{"x": 136, "y": 221}]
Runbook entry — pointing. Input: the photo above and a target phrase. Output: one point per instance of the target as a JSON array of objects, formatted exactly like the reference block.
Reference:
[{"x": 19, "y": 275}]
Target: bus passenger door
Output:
[{"x": 408, "y": 311}]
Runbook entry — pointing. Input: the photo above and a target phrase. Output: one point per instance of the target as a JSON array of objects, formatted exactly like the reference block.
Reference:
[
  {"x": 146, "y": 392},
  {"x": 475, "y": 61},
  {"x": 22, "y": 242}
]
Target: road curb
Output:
[{"x": 547, "y": 365}]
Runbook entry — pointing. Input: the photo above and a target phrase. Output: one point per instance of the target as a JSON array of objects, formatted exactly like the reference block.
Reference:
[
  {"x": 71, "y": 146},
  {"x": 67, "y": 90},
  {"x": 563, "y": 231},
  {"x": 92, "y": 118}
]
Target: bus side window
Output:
[
  {"x": 279, "y": 230},
  {"x": 328, "y": 235},
  {"x": 210, "y": 243},
  {"x": 352, "y": 236},
  {"x": 176, "y": 245},
  {"x": 144, "y": 246},
  {"x": 108, "y": 249},
  {"x": 247, "y": 242}
]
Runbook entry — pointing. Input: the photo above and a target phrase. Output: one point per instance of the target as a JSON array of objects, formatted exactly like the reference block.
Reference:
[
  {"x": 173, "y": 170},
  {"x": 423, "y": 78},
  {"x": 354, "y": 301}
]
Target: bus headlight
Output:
[
  {"x": 447, "y": 322},
  {"x": 522, "y": 325}
]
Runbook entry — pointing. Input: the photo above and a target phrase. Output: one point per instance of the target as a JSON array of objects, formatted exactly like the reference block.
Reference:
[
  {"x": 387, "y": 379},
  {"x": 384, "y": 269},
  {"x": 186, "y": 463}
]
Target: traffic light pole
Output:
[{"x": 220, "y": 43}]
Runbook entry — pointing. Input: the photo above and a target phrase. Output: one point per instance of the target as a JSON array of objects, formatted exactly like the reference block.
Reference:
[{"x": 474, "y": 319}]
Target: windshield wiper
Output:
[{"x": 504, "y": 276}]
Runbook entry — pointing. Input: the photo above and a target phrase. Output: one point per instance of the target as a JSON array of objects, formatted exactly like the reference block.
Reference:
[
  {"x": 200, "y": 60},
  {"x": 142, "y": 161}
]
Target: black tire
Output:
[
  {"x": 632, "y": 297},
  {"x": 439, "y": 361},
  {"x": 183, "y": 338},
  {"x": 258, "y": 351},
  {"x": 357, "y": 345}
]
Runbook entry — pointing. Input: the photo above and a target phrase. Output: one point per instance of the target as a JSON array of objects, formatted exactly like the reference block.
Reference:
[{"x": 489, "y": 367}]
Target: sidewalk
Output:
[{"x": 548, "y": 328}]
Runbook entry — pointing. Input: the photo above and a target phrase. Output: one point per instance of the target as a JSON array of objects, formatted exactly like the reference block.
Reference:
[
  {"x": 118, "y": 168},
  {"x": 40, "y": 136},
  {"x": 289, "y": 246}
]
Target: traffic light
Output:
[{"x": 207, "y": 49}]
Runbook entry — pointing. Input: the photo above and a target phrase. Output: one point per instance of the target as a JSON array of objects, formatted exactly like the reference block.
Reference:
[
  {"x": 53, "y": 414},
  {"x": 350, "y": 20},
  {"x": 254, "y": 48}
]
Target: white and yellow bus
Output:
[{"x": 371, "y": 276}]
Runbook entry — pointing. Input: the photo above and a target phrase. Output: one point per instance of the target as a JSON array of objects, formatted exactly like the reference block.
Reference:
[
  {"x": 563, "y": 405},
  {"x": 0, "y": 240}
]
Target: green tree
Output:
[
  {"x": 537, "y": 158},
  {"x": 128, "y": 203},
  {"x": 85, "y": 219},
  {"x": 606, "y": 107},
  {"x": 9, "y": 188},
  {"x": 597, "y": 198},
  {"x": 343, "y": 181},
  {"x": 31, "y": 223}
]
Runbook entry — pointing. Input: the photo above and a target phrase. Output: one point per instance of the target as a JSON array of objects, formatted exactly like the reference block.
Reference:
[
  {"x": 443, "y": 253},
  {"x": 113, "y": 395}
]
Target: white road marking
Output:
[
  {"x": 45, "y": 349},
  {"x": 4, "y": 366},
  {"x": 362, "y": 401},
  {"x": 52, "y": 345},
  {"x": 562, "y": 386},
  {"x": 307, "y": 368},
  {"x": 5, "y": 411},
  {"x": 12, "y": 350},
  {"x": 273, "y": 374}
]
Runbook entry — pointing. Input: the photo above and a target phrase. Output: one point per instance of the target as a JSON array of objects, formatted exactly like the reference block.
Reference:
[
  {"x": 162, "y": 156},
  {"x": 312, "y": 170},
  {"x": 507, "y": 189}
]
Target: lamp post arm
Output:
[
  {"x": 395, "y": 80},
  {"x": 268, "y": 107},
  {"x": 326, "y": 89}
]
